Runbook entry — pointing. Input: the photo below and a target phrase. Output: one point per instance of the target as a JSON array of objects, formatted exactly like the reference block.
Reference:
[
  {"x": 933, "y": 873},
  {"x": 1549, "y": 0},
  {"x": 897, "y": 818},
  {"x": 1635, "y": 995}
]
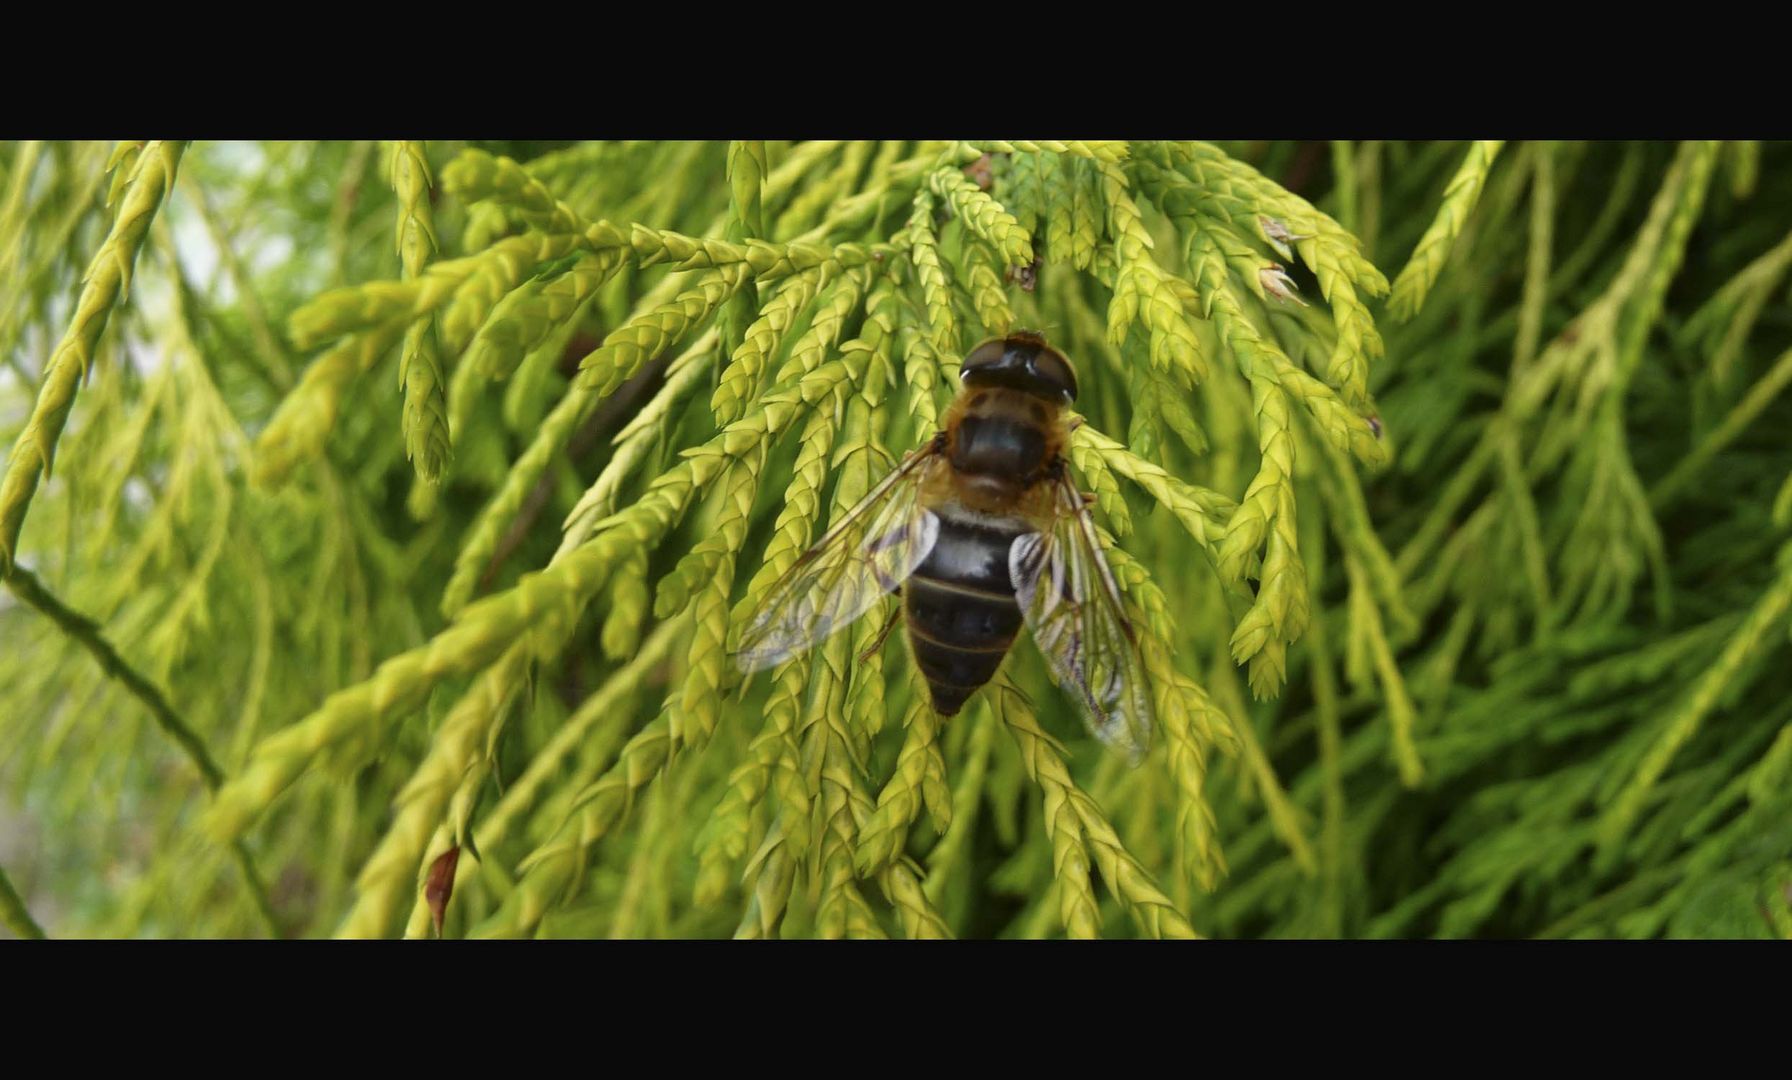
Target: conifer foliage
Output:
[{"x": 379, "y": 518}]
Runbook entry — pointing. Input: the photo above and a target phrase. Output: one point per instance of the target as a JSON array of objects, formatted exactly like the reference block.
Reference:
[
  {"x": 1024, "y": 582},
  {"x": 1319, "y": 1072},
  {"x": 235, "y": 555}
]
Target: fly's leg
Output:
[{"x": 1060, "y": 469}]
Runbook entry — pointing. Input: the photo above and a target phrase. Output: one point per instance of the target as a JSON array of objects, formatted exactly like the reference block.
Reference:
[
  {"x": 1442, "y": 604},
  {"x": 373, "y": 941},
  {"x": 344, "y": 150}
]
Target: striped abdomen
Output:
[{"x": 962, "y": 615}]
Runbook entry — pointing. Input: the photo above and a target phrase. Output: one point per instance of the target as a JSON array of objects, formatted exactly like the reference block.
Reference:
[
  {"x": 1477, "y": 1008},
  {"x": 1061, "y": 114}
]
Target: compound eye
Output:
[
  {"x": 988, "y": 354},
  {"x": 1057, "y": 367}
]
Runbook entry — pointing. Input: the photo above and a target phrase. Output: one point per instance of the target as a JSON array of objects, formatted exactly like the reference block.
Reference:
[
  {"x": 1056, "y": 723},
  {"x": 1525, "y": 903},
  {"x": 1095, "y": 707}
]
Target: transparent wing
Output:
[
  {"x": 866, "y": 555},
  {"x": 1073, "y": 608}
]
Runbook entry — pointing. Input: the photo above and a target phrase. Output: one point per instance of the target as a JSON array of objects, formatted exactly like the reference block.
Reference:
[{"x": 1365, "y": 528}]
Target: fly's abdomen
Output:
[{"x": 962, "y": 615}]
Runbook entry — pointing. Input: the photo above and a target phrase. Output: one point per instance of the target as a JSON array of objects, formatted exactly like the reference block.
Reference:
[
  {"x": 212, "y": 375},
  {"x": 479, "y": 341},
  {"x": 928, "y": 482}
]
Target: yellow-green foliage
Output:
[{"x": 370, "y": 505}]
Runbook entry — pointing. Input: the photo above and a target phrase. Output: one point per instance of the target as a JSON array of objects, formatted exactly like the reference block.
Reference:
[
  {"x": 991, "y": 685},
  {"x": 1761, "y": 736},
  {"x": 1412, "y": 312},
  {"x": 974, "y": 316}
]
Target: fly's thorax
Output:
[{"x": 1001, "y": 441}]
